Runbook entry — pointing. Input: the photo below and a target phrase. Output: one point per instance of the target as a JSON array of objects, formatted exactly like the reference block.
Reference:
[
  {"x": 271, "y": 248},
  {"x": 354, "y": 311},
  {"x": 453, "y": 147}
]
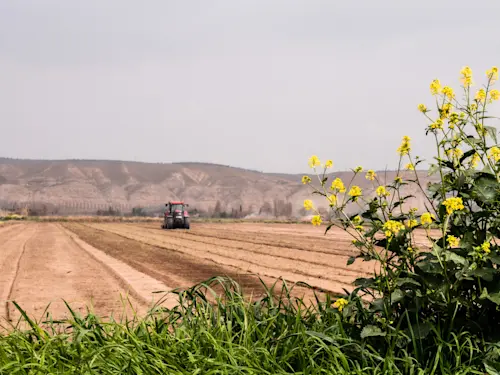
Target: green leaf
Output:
[
  {"x": 493, "y": 297},
  {"x": 364, "y": 282},
  {"x": 434, "y": 188},
  {"x": 487, "y": 170},
  {"x": 407, "y": 280},
  {"x": 433, "y": 169},
  {"x": 467, "y": 154},
  {"x": 486, "y": 189},
  {"x": 494, "y": 258},
  {"x": 370, "y": 331},
  {"x": 421, "y": 330},
  {"x": 484, "y": 273},
  {"x": 453, "y": 257},
  {"x": 397, "y": 296},
  {"x": 492, "y": 132},
  {"x": 351, "y": 260},
  {"x": 429, "y": 266},
  {"x": 490, "y": 369},
  {"x": 328, "y": 228},
  {"x": 474, "y": 140},
  {"x": 377, "y": 305}
]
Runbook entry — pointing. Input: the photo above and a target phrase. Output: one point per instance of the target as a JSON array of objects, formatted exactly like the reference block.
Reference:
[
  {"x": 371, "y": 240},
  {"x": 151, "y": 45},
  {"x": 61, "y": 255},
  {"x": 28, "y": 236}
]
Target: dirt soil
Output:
[
  {"x": 172, "y": 267},
  {"x": 99, "y": 264},
  {"x": 40, "y": 265},
  {"x": 295, "y": 257}
]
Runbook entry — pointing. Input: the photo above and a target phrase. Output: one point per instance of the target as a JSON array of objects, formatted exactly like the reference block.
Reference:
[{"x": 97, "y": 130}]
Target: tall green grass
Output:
[{"x": 276, "y": 334}]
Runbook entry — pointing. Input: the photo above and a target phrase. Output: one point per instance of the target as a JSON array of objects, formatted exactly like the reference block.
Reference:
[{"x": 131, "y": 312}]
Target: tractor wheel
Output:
[
  {"x": 170, "y": 223},
  {"x": 186, "y": 223}
]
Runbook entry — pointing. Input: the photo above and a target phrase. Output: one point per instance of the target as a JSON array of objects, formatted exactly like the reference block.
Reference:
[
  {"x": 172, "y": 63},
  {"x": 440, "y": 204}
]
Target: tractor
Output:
[{"x": 176, "y": 216}]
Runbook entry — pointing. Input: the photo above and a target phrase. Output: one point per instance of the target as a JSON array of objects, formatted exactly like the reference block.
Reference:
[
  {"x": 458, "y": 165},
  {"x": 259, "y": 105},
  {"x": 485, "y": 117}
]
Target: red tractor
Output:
[{"x": 176, "y": 216}]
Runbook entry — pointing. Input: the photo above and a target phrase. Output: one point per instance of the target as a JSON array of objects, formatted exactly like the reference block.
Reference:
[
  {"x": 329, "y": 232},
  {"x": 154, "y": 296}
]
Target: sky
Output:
[{"x": 253, "y": 84}]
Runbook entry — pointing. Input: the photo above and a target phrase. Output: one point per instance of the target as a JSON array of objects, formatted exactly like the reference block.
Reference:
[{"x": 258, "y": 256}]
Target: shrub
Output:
[
  {"x": 13, "y": 217},
  {"x": 439, "y": 303}
]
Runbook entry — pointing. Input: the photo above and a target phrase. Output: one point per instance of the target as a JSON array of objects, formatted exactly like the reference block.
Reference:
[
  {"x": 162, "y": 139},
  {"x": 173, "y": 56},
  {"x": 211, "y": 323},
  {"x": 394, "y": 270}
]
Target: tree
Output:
[
  {"x": 138, "y": 211},
  {"x": 217, "y": 209},
  {"x": 266, "y": 208}
]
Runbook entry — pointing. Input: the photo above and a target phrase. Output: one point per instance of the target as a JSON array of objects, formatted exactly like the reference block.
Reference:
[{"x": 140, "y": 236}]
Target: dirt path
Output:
[
  {"x": 42, "y": 265},
  {"x": 321, "y": 276},
  {"x": 13, "y": 245},
  {"x": 171, "y": 267}
]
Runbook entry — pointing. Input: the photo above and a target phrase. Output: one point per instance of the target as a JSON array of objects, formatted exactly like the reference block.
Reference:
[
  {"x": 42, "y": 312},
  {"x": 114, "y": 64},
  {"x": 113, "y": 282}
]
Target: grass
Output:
[{"x": 276, "y": 334}]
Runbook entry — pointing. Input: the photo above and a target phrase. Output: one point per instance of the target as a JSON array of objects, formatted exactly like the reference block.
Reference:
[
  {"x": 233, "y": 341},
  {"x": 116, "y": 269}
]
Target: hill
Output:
[{"x": 85, "y": 186}]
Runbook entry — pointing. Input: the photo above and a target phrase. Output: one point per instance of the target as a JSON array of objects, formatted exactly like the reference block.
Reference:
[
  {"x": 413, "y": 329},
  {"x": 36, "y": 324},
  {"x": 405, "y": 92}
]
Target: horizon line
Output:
[{"x": 184, "y": 162}]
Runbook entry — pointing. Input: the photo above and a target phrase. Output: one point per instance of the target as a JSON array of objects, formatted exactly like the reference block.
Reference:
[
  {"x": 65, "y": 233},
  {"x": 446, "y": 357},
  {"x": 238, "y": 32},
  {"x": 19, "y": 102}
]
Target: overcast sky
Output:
[{"x": 253, "y": 84}]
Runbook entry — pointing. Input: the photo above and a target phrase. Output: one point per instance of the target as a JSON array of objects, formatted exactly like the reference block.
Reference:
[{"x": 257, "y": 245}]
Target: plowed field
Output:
[{"x": 99, "y": 265}]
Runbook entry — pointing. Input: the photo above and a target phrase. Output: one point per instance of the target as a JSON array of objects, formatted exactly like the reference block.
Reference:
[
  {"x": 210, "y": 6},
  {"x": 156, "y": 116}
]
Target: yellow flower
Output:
[
  {"x": 328, "y": 164},
  {"x": 492, "y": 74},
  {"x": 435, "y": 87},
  {"x": 392, "y": 227},
  {"x": 358, "y": 169},
  {"x": 481, "y": 95},
  {"x": 448, "y": 92},
  {"x": 438, "y": 124},
  {"x": 308, "y": 204},
  {"x": 412, "y": 223},
  {"x": 332, "y": 199},
  {"x": 355, "y": 191},
  {"x": 398, "y": 180},
  {"x": 494, "y": 95},
  {"x": 466, "y": 78},
  {"x": 453, "y": 204},
  {"x": 381, "y": 191},
  {"x": 306, "y": 179},
  {"x": 338, "y": 185},
  {"x": 475, "y": 159},
  {"x": 357, "y": 219},
  {"x": 340, "y": 304},
  {"x": 473, "y": 107},
  {"x": 316, "y": 220},
  {"x": 426, "y": 218},
  {"x": 445, "y": 110},
  {"x": 486, "y": 247},
  {"x": 410, "y": 167},
  {"x": 453, "y": 241},
  {"x": 314, "y": 161},
  {"x": 454, "y": 152},
  {"x": 422, "y": 108},
  {"x": 494, "y": 153},
  {"x": 405, "y": 146},
  {"x": 453, "y": 120},
  {"x": 370, "y": 175}
]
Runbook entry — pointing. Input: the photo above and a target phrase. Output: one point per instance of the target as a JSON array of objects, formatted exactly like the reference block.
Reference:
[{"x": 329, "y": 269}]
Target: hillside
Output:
[{"x": 85, "y": 186}]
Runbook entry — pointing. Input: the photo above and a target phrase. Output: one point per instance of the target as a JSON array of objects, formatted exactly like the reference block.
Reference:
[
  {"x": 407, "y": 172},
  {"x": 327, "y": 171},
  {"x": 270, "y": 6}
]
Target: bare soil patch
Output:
[{"x": 43, "y": 266}]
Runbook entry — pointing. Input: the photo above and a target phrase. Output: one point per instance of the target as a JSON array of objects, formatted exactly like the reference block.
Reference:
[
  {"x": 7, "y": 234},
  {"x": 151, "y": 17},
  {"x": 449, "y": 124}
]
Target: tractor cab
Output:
[{"x": 176, "y": 215}]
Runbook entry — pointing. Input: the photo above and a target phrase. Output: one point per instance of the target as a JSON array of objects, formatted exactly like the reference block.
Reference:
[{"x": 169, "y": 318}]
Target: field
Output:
[{"x": 101, "y": 264}]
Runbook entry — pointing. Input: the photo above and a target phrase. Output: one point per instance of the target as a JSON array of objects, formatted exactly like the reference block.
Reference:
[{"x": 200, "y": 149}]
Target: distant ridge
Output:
[{"x": 85, "y": 186}]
